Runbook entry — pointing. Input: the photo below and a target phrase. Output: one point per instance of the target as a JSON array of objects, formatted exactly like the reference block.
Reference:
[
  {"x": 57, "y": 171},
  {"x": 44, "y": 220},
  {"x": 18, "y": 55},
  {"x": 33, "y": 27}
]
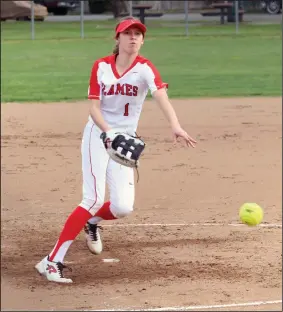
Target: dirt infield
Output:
[{"x": 201, "y": 261}]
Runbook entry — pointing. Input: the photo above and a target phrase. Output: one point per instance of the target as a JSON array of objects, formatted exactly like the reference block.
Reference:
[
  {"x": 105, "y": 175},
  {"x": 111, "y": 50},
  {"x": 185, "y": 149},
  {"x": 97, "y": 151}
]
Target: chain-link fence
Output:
[{"x": 96, "y": 18}]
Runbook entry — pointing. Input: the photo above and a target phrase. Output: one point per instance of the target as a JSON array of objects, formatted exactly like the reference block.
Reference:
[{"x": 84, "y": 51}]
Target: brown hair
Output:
[{"x": 116, "y": 47}]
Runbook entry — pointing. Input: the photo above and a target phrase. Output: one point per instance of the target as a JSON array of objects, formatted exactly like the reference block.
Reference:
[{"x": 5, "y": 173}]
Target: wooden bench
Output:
[
  {"x": 140, "y": 12},
  {"x": 150, "y": 14},
  {"x": 146, "y": 14}
]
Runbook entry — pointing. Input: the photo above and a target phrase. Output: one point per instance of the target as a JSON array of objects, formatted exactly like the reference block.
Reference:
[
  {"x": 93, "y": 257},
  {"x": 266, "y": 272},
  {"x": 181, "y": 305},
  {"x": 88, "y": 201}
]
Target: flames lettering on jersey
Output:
[
  {"x": 123, "y": 89},
  {"x": 129, "y": 90},
  {"x": 103, "y": 88},
  {"x": 135, "y": 90},
  {"x": 111, "y": 90},
  {"x": 119, "y": 89}
]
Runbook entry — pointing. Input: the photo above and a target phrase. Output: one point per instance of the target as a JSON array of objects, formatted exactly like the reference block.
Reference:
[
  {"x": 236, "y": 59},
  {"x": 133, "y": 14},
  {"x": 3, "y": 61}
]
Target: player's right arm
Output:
[
  {"x": 94, "y": 94},
  {"x": 95, "y": 113}
]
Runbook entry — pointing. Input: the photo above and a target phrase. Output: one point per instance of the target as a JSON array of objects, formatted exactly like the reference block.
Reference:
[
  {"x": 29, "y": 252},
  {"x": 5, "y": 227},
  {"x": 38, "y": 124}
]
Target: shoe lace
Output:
[
  {"x": 60, "y": 267},
  {"x": 92, "y": 231}
]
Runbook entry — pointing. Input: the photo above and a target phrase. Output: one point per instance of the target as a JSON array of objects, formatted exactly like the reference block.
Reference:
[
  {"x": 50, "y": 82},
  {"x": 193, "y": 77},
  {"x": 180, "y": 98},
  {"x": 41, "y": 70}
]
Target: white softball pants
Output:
[{"x": 98, "y": 169}]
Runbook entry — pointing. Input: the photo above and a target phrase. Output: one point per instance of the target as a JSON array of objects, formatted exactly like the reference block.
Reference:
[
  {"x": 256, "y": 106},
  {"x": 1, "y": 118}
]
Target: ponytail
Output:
[{"x": 116, "y": 49}]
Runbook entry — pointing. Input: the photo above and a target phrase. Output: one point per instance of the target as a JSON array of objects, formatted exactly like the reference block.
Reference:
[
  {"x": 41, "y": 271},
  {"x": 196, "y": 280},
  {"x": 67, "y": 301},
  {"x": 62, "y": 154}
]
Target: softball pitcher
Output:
[{"x": 118, "y": 86}]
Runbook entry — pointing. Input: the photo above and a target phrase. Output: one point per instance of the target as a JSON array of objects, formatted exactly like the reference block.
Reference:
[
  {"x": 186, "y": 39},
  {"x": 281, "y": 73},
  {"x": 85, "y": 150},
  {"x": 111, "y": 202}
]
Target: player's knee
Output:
[
  {"x": 121, "y": 209},
  {"x": 91, "y": 204}
]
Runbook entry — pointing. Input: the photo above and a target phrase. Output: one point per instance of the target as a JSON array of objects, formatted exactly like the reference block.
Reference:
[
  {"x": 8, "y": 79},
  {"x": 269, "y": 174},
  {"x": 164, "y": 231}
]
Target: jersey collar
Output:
[{"x": 114, "y": 69}]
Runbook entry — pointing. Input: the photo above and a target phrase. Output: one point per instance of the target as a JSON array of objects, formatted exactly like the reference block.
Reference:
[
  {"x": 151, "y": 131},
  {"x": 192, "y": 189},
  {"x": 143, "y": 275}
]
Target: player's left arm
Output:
[
  {"x": 163, "y": 102},
  {"x": 158, "y": 91}
]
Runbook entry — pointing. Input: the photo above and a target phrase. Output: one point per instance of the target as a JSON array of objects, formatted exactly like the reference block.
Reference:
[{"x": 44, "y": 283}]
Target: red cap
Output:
[{"x": 129, "y": 23}]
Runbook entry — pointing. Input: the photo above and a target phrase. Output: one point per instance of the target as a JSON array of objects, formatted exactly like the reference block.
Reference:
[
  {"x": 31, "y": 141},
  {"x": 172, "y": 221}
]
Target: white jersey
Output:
[{"x": 122, "y": 97}]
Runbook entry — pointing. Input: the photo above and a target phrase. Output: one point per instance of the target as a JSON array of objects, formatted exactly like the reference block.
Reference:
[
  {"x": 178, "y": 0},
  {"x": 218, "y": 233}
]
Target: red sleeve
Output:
[
  {"x": 154, "y": 78},
  {"x": 94, "y": 87}
]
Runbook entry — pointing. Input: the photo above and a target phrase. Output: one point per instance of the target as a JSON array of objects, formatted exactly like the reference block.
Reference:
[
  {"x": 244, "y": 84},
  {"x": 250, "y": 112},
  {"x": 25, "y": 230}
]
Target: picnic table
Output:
[
  {"x": 224, "y": 6},
  {"x": 225, "y": 10},
  {"x": 142, "y": 8}
]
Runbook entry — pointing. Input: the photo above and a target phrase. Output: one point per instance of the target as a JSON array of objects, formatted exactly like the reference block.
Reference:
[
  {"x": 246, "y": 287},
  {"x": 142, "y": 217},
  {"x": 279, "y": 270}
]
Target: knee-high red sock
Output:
[
  {"x": 105, "y": 213},
  {"x": 71, "y": 229}
]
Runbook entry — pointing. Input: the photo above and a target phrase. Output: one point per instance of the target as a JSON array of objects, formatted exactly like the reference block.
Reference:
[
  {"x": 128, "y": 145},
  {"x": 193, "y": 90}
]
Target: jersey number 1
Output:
[{"x": 126, "y": 113}]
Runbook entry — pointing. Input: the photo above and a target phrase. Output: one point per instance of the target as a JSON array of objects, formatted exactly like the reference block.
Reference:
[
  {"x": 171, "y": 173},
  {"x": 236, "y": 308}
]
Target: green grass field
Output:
[{"x": 212, "y": 61}]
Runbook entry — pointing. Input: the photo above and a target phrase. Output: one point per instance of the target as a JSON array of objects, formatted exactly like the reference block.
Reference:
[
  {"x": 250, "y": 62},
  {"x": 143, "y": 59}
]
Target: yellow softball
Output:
[{"x": 251, "y": 214}]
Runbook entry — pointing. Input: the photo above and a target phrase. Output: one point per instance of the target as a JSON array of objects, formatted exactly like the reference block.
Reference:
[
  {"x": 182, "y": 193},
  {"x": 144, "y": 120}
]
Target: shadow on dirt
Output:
[{"x": 141, "y": 259}]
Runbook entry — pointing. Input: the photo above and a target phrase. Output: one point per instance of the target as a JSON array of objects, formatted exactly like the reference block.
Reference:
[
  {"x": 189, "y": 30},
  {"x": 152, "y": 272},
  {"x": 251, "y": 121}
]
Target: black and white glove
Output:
[{"x": 123, "y": 148}]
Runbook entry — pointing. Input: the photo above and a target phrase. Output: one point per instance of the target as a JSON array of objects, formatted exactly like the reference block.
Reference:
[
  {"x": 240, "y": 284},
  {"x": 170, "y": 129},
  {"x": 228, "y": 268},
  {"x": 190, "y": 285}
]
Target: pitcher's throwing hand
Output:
[{"x": 178, "y": 132}]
